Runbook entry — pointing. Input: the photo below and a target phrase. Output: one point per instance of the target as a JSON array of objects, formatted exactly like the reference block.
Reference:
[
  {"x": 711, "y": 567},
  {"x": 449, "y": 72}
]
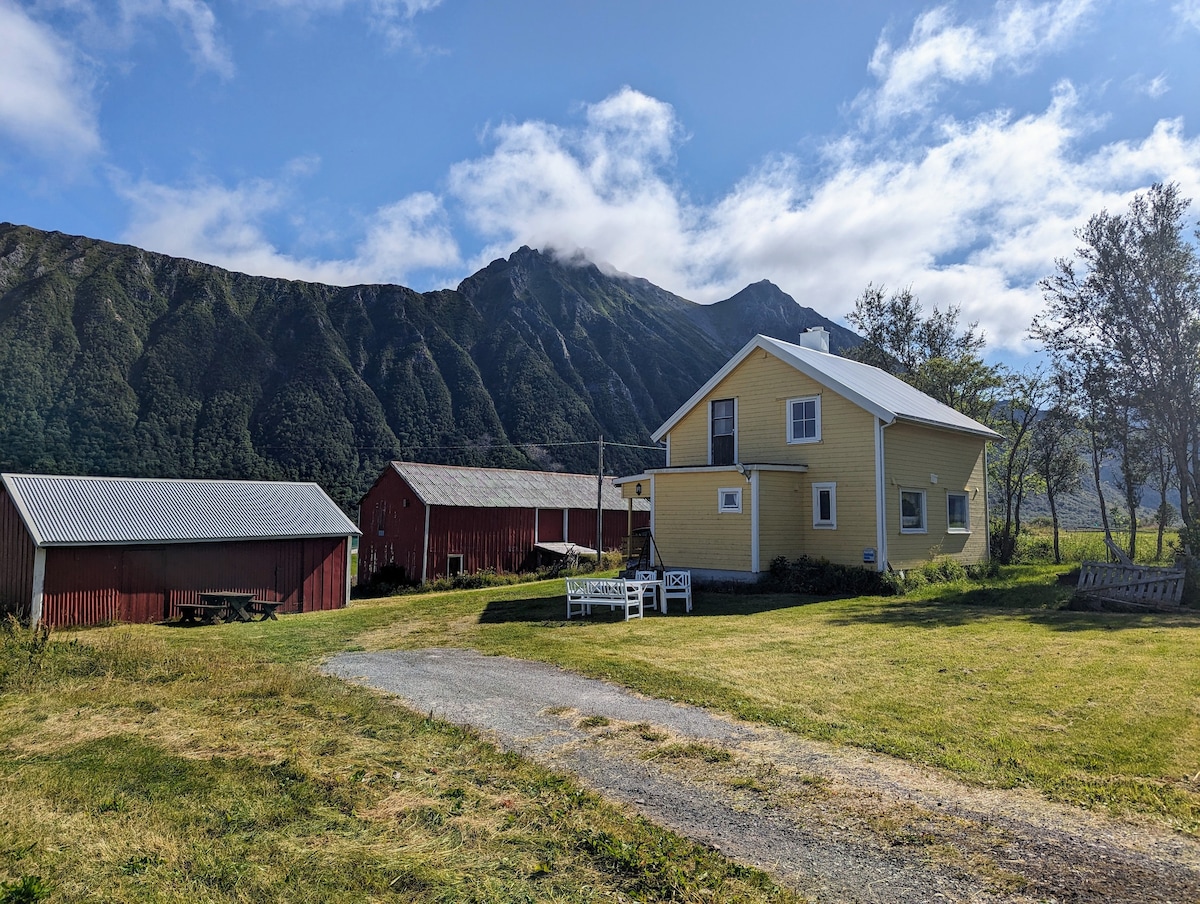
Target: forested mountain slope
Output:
[{"x": 115, "y": 360}]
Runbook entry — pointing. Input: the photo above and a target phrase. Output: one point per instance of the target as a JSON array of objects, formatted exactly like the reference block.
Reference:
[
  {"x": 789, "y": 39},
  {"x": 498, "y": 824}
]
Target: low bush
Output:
[
  {"x": 821, "y": 577},
  {"x": 390, "y": 580}
]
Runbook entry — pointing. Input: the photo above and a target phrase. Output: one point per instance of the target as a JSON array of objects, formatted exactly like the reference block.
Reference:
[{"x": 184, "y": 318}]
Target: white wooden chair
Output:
[
  {"x": 650, "y": 594},
  {"x": 677, "y": 585}
]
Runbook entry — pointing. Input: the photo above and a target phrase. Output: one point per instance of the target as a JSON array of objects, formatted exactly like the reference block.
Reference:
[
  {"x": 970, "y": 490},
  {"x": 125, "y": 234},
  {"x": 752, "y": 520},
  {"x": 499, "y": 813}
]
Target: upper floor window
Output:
[
  {"x": 804, "y": 420},
  {"x": 724, "y": 447}
]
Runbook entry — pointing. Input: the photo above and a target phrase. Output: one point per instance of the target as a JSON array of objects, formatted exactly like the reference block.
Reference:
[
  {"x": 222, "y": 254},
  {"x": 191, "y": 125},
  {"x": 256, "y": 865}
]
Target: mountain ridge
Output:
[{"x": 118, "y": 360}]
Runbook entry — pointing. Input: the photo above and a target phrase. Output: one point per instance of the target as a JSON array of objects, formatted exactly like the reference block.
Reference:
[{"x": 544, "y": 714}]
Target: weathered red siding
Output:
[
  {"x": 550, "y": 526},
  {"x": 16, "y": 559},
  {"x": 393, "y": 533},
  {"x": 497, "y": 538},
  {"x": 90, "y": 585},
  {"x": 392, "y": 519}
]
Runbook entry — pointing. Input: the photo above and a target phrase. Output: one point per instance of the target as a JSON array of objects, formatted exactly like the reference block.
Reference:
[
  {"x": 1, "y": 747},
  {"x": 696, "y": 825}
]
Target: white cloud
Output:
[
  {"x": 45, "y": 98},
  {"x": 101, "y": 26},
  {"x": 224, "y": 226},
  {"x": 1156, "y": 87},
  {"x": 939, "y": 51},
  {"x": 974, "y": 217},
  {"x": 971, "y": 213},
  {"x": 1188, "y": 12},
  {"x": 392, "y": 18}
]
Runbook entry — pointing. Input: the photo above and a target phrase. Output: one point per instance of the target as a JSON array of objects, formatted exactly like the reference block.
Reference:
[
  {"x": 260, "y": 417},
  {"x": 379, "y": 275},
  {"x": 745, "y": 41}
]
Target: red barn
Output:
[
  {"x": 87, "y": 550},
  {"x": 438, "y": 520}
]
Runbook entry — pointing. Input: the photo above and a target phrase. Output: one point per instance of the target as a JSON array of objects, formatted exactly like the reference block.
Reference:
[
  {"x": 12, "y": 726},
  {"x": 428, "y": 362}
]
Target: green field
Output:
[{"x": 214, "y": 764}]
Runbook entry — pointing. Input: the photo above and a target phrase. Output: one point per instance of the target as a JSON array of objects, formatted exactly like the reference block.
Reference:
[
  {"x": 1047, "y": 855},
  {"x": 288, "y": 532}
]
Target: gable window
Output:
[
  {"x": 958, "y": 513},
  {"x": 804, "y": 420},
  {"x": 723, "y": 450},
  {"x": 825, "y": 506},
  {"x": 912, "y": 512},
  {"x": 729, "y": 500}
]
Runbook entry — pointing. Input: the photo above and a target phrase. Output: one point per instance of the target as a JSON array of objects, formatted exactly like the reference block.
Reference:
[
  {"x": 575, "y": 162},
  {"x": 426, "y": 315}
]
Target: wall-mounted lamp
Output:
[{"x": 637, "y": 488}]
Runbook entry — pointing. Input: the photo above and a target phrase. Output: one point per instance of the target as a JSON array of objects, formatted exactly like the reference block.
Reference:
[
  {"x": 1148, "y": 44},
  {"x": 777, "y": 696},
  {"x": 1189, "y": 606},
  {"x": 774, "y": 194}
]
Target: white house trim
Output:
[
  {"x": 39, "y": 585},
  {"x": 754, "y": 552},
  {"x": 881, "y": 553},
  {"x": 425, "y": 547}
]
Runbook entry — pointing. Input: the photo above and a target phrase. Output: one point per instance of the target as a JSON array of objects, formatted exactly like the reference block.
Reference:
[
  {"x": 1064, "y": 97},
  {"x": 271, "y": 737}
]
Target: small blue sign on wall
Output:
[{"x": 868, "y": 555}]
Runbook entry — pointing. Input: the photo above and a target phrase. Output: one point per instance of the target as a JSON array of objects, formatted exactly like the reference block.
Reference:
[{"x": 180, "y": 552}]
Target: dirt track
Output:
[{"x": 836, "y": 824}]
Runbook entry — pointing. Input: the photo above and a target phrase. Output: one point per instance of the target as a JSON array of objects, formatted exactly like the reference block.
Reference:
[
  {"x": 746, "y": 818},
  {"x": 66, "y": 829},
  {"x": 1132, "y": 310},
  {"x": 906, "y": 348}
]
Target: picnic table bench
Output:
[
  {"x": 201, "y": 613},
  {"x": 226, "y": 606},
  {"x": 264, "y": 608},
  {"x": 616, "y": 593}
]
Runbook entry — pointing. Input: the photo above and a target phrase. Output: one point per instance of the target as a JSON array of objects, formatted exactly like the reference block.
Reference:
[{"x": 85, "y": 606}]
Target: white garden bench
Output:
[{"x": 616, "y": 593}]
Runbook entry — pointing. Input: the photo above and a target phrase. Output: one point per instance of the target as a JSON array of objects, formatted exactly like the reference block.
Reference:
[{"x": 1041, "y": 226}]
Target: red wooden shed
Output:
[
  {"x": 437, "y": 520},
  {"x": 88, "y": 550}
]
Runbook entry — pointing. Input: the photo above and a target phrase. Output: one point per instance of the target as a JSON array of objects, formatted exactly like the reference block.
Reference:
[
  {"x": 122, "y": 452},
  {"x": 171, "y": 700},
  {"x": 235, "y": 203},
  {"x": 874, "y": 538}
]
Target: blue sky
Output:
[{"x": 702, "y": 145}]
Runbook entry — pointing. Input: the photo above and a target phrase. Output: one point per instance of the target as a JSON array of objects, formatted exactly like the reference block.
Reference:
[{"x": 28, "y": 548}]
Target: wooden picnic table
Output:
[
  {"x": 235, "y": 604},
  {"x": 227, "y": 606}
]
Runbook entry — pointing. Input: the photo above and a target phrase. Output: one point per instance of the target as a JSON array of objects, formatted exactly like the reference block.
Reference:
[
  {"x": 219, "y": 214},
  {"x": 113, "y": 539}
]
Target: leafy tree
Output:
[
  {"x": 1012, "y": 474},
  {"x": 1056, "y": 447},
  {"x": 928, "y": 352},
  {"x": 1131, "y": 299}
]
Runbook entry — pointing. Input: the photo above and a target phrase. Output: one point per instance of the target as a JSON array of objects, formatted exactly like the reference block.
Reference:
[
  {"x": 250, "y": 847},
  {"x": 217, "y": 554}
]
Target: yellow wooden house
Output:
[{"x": 789, "y": 450}]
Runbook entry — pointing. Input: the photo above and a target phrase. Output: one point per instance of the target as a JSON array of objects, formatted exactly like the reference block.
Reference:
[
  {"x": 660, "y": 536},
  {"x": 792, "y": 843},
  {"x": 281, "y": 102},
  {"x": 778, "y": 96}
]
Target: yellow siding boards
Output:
[
  {"x": 783, "y": 510},
  {"x": 911, "y": 455},
  {"x": 690, "y": 533},
  {"x": 762, "y": 385},
  {"x": 688, "y": 530}
]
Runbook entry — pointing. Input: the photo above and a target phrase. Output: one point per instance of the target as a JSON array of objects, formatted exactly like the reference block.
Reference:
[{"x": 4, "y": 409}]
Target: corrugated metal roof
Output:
[
  {"x": 885, "y": 396},
  {"x": 506, "y": 488},
  {"x": 76, "y": 511}
]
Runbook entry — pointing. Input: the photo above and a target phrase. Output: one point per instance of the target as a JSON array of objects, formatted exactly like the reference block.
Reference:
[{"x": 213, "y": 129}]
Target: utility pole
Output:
[{"x": 599, "y": 500}]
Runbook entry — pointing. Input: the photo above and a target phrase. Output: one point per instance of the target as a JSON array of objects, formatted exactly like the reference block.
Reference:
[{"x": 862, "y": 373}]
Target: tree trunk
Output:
[
  {"x": 1099, "y": 485},
  {"x": 1054, "y": 522}
]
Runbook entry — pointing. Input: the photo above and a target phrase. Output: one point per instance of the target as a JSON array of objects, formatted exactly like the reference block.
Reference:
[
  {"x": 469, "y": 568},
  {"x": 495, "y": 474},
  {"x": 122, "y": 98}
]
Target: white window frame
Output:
[
  {"x": 462, "y": 563},
  {"x": 791, "y": 437},
  {"x": 924, "y": 528},
  {"x": 722, "y": 508},
  {"x": 950, "y": 527},
  {"x": 817, "y": 489},
  {"x": 735, "y": 427}
]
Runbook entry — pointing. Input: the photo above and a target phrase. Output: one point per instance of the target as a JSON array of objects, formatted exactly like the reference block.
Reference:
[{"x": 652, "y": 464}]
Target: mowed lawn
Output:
[
  {"x": 992, "y": 682},
  {"x": 143, "y": 763}
]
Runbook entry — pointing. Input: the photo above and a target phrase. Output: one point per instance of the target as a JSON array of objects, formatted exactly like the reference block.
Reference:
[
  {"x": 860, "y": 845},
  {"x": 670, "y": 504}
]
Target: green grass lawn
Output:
[
  {"x": 213, "y": 764},
  {"x": 991, "y": 681},
  {"x": 207, "y": 765}
]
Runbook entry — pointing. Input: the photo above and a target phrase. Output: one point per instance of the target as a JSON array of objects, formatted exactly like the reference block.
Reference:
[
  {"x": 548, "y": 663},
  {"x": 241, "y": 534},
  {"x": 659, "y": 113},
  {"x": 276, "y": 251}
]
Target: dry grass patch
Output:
[{"x": 158, "y": 765}]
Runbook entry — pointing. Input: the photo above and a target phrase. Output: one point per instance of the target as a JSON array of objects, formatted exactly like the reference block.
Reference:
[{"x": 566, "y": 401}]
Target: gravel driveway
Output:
[{"x": 837, "y": 824}]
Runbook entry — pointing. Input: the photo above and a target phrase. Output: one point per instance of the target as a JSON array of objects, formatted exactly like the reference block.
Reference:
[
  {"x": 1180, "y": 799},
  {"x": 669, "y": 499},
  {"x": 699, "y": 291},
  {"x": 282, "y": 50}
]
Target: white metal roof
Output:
[
  {"x": 510, "y": 488},
  {"x": 888, "y": 398},
  {"x": 78, "y": 511}
]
